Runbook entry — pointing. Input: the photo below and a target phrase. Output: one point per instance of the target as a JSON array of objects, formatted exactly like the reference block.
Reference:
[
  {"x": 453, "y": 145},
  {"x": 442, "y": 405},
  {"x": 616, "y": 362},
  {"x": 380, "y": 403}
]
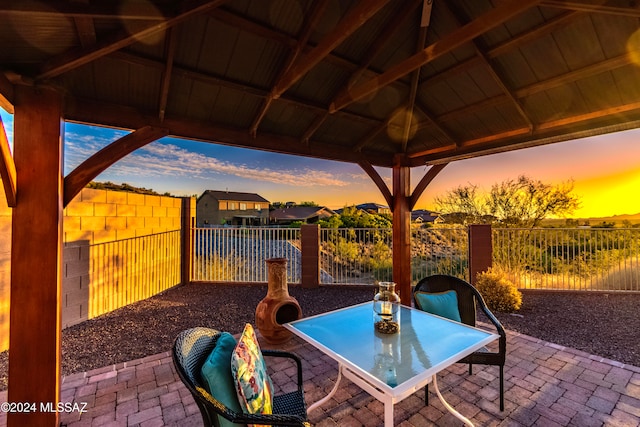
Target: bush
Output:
[{"x": 498, "y": 292}]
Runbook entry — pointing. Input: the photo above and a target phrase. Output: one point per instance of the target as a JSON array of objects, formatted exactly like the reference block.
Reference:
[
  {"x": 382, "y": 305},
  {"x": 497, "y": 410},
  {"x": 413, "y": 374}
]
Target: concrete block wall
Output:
[
  {"x": 97, "y": 217},
  {"x": 94, "y": 279}
]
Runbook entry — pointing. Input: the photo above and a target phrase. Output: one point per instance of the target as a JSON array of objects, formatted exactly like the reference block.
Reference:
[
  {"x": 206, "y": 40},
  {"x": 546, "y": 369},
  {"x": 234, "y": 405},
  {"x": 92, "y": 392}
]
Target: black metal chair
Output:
[
  {"x": 191, "y": 349},
  {"x": 468, "y": 299}
]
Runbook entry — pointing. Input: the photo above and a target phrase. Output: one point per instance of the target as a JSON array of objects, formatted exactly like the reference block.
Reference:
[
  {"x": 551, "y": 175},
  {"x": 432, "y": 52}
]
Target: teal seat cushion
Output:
[
  {"x": 217, "y": 377},
  {"x": 443, "y": 304}
]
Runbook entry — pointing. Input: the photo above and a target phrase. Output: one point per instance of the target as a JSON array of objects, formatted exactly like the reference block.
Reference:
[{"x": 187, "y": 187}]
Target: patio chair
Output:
[
  {"x": 468, "y": 298},
  {"x": 190, "y": 350}
]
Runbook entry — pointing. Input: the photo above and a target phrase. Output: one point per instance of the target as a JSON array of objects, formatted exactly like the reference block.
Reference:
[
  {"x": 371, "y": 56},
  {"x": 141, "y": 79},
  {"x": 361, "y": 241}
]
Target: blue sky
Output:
[{"x": 605, "y": 169}]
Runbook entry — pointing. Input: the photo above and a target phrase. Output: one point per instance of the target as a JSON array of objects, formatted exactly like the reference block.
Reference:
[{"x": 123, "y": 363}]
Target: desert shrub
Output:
[{"x": 498, "y": 292}]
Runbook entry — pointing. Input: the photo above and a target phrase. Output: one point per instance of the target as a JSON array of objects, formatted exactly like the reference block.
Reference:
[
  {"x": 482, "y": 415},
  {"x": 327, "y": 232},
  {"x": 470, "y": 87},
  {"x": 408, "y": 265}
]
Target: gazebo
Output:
[{"x": 384, "y": 84}]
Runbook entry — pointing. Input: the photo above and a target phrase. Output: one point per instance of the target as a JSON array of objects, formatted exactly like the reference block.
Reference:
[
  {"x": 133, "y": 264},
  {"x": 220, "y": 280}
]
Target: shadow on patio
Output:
[{"x": 545, "y": 384}]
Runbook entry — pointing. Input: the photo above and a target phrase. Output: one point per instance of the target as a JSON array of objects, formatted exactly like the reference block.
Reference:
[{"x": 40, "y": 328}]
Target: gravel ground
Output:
[{"x": 603, "y": 324}]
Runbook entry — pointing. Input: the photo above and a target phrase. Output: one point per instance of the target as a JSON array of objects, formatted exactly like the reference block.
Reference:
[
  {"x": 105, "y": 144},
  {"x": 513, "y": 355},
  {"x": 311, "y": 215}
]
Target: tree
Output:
[{"x": 523, "y": 202}]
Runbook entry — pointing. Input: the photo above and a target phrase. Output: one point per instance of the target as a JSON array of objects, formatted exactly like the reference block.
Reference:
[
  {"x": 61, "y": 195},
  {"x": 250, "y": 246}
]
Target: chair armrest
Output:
[
  {"x": 502, "y": 342},
  {"x": 263, "y": 419},
  {"x": 295, "y": 358}
]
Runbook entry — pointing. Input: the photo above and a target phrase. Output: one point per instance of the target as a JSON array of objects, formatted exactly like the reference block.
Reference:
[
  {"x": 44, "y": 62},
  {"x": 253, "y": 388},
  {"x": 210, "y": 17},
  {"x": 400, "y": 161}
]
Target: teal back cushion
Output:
[
  {"x": 444, "y": 304},
  {"x": 217, "y": 377}
]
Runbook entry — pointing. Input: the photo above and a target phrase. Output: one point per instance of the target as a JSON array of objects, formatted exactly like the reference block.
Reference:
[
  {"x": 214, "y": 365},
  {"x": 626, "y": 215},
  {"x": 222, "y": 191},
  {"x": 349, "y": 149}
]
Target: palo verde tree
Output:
[{"x": 522, "y": 202}]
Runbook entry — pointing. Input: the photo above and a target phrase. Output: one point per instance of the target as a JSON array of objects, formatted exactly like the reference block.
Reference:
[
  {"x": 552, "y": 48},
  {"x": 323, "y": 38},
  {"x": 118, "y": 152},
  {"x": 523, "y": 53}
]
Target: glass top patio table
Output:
[{"x": 395, "y": 364}]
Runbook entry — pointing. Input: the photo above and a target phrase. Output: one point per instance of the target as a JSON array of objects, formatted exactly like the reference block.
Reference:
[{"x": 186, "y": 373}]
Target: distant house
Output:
[
  {"x": 306, "y": 214},
  {"x": 374, "y": 208},
  {"x": 425, "y": 216},
  {"x": 214, "y": 208}
]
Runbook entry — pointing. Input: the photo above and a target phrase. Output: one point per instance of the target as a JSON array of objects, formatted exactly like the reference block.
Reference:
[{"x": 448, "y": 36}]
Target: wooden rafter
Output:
[
  {"x": 632, "y": 10},
  {"x": 579, "y": 74},
  {"x": 539, "y": 132},
  {"x": 573, "y": 76},
  {"x": 85, "y": 28},
  {"x": 371, "y": 53},
  {"x": 170, "y": 51},
  {"x": 497, "y": 78},
  {"x": 413, "y": 91},
  {"x": 487, "y": 21},
  {"x": 378, "y": 181},
  {"x": 307, "y": 28},
  {"x": 357, "y": 16},
  {"x": 94, "y": 165},
  {"x": 561, "y": 21},
  {"x": 78, "y": 57},
  {"x": 7, "y": 168},
  {"x": 238, "y": 87}
]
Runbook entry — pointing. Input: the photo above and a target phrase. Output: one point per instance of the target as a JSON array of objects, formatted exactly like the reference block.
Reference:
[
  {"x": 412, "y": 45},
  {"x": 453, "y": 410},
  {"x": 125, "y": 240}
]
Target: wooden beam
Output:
[
  {"x": 489, "y": 20},
  {"x": 170, "y": 51},
  {"x": 467, "y": 148},
  {"x": 36, "y": 256},
  {"x": 378, "y": 181},
  {"x": 424, "y": 183},
  {"x": 76, "y": 58},
  {"x": 94, "y": 165},
  {"x": 85, "y": 111},
  {"x": 357, "y": 16},
  {"x": 402, "y": 231},
  {"x": 7, "y": 168}
]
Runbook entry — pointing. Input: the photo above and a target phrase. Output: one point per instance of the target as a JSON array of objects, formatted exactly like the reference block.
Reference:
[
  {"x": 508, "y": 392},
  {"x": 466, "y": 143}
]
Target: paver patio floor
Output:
[{"x": 545, "y": 385}]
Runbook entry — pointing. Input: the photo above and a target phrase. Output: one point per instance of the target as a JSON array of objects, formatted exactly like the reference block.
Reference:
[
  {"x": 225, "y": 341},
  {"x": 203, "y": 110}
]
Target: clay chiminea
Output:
[{"x": 278, "y": 307}]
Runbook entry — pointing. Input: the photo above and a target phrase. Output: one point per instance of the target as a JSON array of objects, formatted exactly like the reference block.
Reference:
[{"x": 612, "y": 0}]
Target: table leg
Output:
[
  {"x": 450, "y": 408},
  {"x": 388, "y": 414},
  {"x": 331, "y": 393}
]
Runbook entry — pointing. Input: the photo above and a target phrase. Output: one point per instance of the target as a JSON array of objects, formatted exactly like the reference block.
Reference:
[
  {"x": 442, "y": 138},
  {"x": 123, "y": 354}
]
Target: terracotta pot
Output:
[{"x": 278, "y": 307}]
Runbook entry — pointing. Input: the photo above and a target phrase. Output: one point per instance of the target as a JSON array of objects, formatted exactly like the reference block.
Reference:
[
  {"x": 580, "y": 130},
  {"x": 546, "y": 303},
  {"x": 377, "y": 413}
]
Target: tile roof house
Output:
[
  {"x": 425, "y": 216},
  {"x": 306, "y": 214},
  {"x": 375, "y": 208},
  {"x": 215, "y": 208}
]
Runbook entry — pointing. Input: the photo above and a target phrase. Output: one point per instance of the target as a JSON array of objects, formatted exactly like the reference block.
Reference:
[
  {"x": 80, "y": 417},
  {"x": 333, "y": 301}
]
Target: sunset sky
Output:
[{"x": 605, "y": 170}]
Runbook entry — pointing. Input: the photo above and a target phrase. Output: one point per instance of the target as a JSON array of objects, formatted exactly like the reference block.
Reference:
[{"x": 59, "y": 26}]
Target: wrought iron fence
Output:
[
  {"x": 226, "y": 254},
  {"x": 129, "y": 270},
  {"x": 570, "y": 259},
  {"x": 364, "y": 256},
  {"x": 355, "y": 255},
  {"x": 440, "y": 250}
]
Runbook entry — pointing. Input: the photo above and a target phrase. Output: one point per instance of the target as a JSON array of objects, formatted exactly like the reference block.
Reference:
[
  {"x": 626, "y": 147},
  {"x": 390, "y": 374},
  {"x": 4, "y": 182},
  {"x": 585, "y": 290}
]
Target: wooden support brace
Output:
[
  {"x": 94, "y": 165},
  {"x": 7, "y": 168}
]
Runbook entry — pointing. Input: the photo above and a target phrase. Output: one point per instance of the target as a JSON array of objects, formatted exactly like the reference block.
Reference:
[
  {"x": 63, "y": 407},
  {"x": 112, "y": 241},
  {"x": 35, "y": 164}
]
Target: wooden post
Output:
[
  {"x": 186, "y": 241},
  {"x": 480, "y": 250},
  {"x": 310, "y": 247},
  {"x": 402, "y": 231},
  {"x": 36, "y": 253}
]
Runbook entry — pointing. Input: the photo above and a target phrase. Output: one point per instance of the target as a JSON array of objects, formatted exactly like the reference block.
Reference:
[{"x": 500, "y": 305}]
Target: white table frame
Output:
[{"x": 389, "y": 396}]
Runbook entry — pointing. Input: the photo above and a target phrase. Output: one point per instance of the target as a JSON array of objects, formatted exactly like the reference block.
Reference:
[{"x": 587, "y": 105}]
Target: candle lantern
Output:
[{"x": 386, "y": 309}]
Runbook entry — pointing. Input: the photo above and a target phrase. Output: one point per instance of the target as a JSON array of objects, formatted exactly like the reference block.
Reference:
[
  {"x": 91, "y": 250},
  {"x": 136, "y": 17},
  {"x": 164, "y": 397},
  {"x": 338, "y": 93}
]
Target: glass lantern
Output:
[{"x": 386, "y": 309}]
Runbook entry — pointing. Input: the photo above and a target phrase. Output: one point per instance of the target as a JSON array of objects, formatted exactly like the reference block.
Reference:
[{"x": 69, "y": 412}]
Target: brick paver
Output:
[{"x": 545, "y": 384}]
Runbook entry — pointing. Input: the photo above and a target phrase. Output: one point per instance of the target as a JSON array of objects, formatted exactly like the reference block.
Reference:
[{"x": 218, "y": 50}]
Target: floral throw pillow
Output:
[{"x": 253, "y": 384}]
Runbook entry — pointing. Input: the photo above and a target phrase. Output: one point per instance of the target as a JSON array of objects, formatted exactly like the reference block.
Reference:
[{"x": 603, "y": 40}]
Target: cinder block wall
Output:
[{"x": 97, "y": 217}]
